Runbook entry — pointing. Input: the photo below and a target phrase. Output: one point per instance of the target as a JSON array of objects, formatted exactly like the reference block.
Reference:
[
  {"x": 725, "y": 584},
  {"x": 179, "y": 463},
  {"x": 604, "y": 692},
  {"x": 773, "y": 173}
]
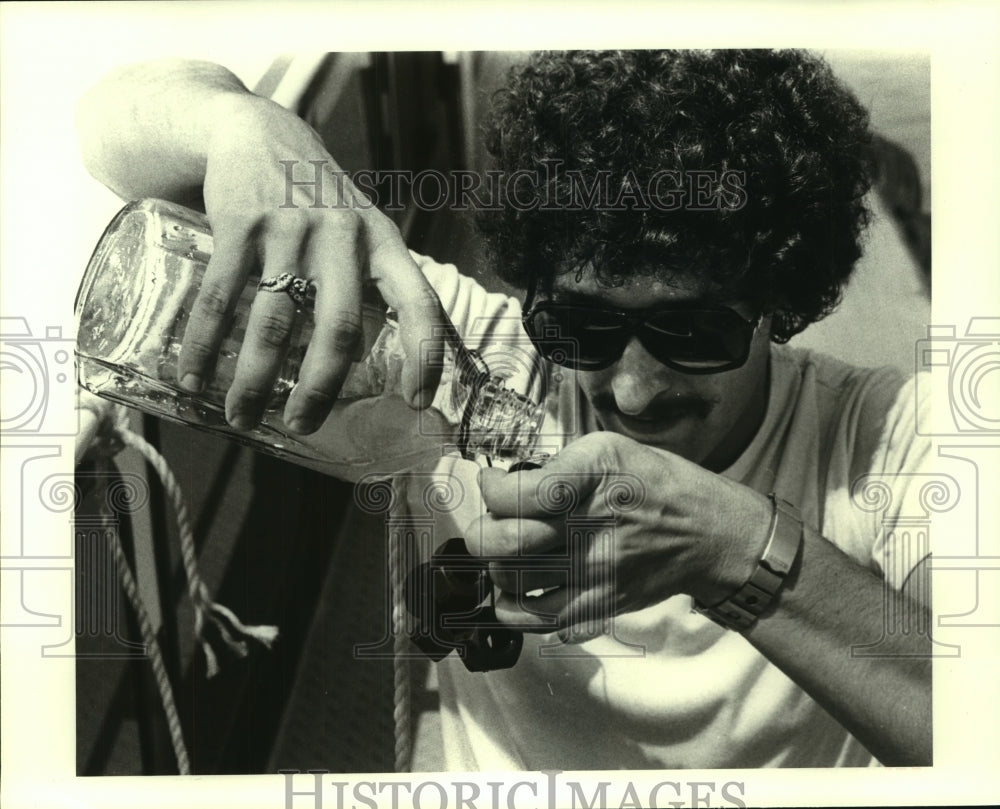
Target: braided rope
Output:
[
  {"x": 401, "y": 697},
  {"x": 152, "y": 645},
  {"x": 204, "y": 607},
  {"x": 232, "y": 631}
]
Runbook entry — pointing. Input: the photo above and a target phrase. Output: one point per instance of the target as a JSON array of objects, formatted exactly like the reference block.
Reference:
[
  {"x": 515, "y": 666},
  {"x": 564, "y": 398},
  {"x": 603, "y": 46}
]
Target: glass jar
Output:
[{"x": 132, "y": 309}]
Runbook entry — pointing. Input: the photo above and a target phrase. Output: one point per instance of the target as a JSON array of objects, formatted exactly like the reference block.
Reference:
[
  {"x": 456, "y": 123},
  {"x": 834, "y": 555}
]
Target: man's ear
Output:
[{"x": 782, "y": 325}]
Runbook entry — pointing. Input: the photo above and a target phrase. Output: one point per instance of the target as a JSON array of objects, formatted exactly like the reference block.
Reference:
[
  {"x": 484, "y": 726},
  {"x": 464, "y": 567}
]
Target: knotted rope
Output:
[{"x": 115, "y": 433}]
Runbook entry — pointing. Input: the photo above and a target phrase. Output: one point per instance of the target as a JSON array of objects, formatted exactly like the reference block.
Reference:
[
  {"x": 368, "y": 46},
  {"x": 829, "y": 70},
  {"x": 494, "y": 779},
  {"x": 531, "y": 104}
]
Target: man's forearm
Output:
[
  {"x": 144, "y": 129},
  {"x": 828, "y": 606}
]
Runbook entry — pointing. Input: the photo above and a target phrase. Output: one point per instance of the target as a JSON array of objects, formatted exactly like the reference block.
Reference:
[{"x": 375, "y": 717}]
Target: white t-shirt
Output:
[{"x": 668, "y": 688}]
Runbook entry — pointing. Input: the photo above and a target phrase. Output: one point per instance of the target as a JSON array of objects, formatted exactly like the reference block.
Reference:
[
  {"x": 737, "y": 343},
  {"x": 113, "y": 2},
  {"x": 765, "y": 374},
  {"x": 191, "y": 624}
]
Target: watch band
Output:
[{"x": 741, "y": 610}]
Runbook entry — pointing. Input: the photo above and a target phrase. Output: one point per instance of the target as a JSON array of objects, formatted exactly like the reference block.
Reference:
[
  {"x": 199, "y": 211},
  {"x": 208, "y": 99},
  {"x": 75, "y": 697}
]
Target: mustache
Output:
[{"x": 663, "y": 409}]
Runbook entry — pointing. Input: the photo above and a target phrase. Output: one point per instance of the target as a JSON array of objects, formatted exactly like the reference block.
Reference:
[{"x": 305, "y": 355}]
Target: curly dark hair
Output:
[{"x": 785, "y": 237}]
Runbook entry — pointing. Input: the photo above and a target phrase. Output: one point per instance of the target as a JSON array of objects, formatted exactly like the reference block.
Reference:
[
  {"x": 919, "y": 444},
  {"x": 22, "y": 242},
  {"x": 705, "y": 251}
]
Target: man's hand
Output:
[
  {"x": 336, "y": 247},
  {"x": 648, "y": 525},
  {"x": 183, "y": 131}
]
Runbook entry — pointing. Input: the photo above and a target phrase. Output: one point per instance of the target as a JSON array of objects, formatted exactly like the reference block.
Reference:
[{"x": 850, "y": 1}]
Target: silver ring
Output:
[{"x": 298, "y": 289}]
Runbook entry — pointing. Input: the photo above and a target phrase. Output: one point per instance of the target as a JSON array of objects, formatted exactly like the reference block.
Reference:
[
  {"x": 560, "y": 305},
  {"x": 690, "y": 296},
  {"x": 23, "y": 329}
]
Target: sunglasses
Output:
[{"x": 692, "y": 338}]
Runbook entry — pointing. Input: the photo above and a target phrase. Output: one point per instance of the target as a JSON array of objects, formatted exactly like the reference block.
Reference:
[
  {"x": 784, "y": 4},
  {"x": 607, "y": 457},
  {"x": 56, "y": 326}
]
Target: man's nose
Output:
[{"x": 638, "y": 378}]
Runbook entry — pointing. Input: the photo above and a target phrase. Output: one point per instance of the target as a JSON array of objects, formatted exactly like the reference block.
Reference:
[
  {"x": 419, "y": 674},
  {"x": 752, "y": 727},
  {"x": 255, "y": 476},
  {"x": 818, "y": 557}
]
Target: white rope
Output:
[
  {"x": 231, "y": 629},
  {"x": 401, "y": 697},
  {"x": 149, "y": 640}
]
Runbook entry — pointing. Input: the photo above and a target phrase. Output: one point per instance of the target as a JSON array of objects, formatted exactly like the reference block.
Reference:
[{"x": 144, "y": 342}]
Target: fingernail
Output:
[
  {"x": 423, "y": 398},
  {"x": 302, "y": 425},
  {"x": 571, "y": 638},
  {"x": 192, "y": 383},
  {"x": 481, "y": 476},
  {"x": 241, "y": 421}
]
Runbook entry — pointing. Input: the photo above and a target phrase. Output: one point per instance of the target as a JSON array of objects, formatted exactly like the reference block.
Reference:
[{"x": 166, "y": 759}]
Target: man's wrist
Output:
[
  {"x": 225, "y": 111},
  {"x": 742, "y": 532}
]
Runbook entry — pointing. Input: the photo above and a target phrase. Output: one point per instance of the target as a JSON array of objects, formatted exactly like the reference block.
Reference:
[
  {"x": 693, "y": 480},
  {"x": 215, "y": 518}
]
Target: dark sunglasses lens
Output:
[
  {"x": 698, "y": 340},
  {"x": 577, "y": 337}
]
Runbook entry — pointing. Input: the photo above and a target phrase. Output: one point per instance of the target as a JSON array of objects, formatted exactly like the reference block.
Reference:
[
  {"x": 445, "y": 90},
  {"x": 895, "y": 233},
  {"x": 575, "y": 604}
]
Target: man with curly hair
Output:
[{"x": 689, "y": 213}]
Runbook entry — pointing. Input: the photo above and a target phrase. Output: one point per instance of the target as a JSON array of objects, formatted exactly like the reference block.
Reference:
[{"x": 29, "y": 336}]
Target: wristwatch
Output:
[{"x": 742, "y": 609}]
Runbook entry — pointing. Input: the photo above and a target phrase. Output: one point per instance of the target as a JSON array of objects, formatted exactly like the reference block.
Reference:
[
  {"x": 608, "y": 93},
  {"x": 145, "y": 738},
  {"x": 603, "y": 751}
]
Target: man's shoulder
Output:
[
  {"x": 439, "y": 275},
  {"x": 867, "y": 406},
  {"x": 478, "y": 313},
  {"x": 838, "y": 381}
]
